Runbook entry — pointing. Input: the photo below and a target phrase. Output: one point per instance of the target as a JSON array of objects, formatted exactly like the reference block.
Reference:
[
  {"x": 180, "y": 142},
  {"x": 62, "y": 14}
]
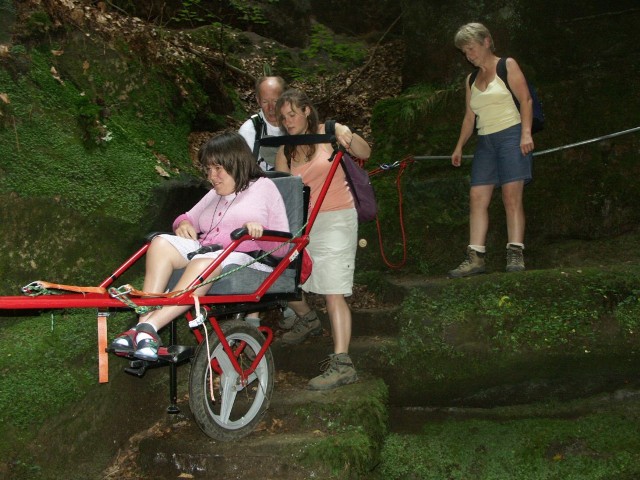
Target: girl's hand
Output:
[
  {"x": 254, "y": 229},
  {"x": 186, "y": 230}
]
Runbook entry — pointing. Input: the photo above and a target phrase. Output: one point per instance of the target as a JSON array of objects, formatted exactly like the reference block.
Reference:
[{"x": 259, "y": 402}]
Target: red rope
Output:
[{"x": 402, "y": 165}]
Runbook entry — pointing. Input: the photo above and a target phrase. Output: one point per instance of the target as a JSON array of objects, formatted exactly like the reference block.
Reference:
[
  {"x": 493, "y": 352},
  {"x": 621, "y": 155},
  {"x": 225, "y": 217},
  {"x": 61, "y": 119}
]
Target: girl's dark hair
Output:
[
  {"x": 230, "y": 150},
  {"x": 298, "y": 100}
]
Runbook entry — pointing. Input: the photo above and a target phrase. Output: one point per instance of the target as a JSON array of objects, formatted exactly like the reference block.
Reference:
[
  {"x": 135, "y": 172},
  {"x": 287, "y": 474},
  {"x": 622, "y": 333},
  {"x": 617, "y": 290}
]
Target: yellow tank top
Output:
[{"x": 494, "y": 107}]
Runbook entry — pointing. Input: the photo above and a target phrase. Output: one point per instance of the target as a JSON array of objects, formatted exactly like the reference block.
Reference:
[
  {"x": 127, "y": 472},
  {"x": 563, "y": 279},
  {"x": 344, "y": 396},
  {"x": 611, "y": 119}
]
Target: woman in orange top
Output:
[{"x": 333, "y": 238}]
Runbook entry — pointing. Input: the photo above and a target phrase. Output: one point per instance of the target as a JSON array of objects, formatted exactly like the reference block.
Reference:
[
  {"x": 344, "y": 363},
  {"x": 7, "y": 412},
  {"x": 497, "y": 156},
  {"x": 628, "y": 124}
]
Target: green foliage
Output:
[
  {"x": 92, "y": 130},
  {"x": 326, "y": 52},
  {"x": 38, "y": 24},
  {"x": 197, "y": 12},
  {"x": 599, "y": 446},
  {"x": 7, "y": 18},
  {"x": 193, "y": 12},
  {"x": 417, "y": 121},
  {"x": 626, "y": 313},
  {"x": 252, "y": 14},
  {"x": 324, "y": 44},
  {"x": 288, "y": 65}
]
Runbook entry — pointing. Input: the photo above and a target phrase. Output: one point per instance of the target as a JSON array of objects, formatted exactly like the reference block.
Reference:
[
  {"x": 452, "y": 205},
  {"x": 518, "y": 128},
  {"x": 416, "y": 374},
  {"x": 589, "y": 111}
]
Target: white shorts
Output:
[
  {"x": 185, "y": 246},
  {"x": 332, "y": 247}
]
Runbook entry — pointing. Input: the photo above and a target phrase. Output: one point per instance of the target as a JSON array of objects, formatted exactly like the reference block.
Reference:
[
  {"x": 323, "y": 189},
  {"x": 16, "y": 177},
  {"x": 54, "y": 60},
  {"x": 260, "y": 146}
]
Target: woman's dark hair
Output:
[
  {"x": 231, "y": 152},
  {"x": 298, "y": 100}
]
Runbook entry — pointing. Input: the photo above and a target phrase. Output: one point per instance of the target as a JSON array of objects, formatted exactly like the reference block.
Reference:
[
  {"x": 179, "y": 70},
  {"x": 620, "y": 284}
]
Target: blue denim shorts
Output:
[{"x": 498, "y": 159}]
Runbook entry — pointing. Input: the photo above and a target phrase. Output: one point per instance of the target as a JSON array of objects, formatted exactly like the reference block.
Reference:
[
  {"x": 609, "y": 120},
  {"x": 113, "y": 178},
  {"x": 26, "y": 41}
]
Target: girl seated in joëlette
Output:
[{"x": 241, "y": 197}]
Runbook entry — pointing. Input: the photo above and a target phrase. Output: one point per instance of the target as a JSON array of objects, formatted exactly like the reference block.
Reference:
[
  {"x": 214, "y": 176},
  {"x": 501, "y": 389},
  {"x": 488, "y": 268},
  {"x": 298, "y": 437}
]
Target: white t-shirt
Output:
[{"x": 266, "y": 155}]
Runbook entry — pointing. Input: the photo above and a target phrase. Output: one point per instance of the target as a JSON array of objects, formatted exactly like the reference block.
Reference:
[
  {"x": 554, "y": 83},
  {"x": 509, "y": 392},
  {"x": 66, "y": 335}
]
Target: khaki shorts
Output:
[{"x": 332, "y": 247}]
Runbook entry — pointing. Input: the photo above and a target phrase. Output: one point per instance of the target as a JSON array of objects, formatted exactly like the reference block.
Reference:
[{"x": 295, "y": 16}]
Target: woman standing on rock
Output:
[
  {"x": 503, "y": 154},
  {"x": 333, "y": 238}
]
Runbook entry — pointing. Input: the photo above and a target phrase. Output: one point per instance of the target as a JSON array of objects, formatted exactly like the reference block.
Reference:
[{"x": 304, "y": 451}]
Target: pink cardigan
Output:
[{"x": 216, "y": 216}]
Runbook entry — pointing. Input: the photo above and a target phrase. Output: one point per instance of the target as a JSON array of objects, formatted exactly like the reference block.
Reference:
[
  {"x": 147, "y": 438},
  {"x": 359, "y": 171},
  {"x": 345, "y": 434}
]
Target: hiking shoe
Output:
[
  {"x": 303, "y": 327},
  {"x": 288, "y": 319},
  {"x": 472, "y": 265},
  {"x": 338, "y": 370},
  {"x": 147, "y": 348},
  {"x": 515, "y": 258}
]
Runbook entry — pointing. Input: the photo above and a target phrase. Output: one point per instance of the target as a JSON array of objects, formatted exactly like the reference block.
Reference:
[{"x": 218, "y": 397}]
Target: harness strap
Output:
[
  {"x": 258, "y": 125},
  {"x": 103, "y": 358},
  {"x": 297, "y": 140}
]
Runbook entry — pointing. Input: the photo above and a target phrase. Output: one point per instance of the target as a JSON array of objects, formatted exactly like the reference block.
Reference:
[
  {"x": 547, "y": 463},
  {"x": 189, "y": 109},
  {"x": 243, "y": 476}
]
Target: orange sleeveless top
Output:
[{"x": 313, "y": 174}]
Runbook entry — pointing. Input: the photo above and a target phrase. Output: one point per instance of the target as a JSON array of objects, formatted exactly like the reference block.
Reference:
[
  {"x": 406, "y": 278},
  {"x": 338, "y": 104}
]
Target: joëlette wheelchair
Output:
[{"x": 231, "y": 379}]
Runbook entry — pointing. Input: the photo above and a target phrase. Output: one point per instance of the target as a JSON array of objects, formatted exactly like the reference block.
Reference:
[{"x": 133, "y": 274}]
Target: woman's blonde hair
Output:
[{"x": 472, "y": 32}]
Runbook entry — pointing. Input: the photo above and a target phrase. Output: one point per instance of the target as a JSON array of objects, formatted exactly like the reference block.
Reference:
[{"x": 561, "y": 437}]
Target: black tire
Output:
[{"x": 236, "y": 409}]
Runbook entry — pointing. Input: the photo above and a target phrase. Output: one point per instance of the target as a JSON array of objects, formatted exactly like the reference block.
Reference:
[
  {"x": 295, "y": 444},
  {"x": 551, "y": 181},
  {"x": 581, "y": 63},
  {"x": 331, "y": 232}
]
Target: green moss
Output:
[
  {"x": 469, "y": 341},
  {"x": 48, "y": 362},
  {"x": 43, "y": 240},
  {"x": 602, "y": 445},
  {"x": 95, "y": 165},
  {"x": 573, "y": 311},
  {"x": 355, "y": 425}
]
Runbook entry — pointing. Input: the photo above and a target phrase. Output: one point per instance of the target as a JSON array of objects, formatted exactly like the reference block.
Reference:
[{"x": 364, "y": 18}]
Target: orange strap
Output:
[
  {"x": 70, "y": 288},
  {"x": 103, "y": 358},
  {"x": 140, "y": 293}
]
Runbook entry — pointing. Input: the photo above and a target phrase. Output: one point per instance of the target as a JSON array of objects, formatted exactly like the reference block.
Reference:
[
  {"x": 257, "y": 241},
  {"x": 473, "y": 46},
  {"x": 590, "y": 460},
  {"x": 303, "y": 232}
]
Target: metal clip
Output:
[
  {"x": 34, "y": 288},
  {"x": 121, "y": 291},
  {"x": 200, "y": 317},
  {"x": 389, "y": 166}
]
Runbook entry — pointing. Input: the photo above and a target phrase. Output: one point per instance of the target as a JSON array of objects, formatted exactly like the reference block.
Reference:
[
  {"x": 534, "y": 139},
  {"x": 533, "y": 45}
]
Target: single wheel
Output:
[{"x": 224, "y": 406}]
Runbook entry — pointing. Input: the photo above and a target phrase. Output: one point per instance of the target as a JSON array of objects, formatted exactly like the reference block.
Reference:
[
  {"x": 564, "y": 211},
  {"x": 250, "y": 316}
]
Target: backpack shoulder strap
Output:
[
  {"x": 472, "y": 77},
  {"x": 258, "y": 125},
  {"x": 501, "y": 71}
]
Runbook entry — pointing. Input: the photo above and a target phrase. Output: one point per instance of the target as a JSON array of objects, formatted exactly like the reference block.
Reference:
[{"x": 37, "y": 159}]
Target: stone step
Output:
[
  {"x": 303, "y": 435},
  {"x": 304, "y": 359},
  {"x": 368, "y": 322}
]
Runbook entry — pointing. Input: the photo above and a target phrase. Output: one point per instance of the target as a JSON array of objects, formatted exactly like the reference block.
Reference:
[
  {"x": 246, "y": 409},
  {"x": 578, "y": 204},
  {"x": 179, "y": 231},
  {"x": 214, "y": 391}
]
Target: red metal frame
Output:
[{"x": 106, "y": 301}]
